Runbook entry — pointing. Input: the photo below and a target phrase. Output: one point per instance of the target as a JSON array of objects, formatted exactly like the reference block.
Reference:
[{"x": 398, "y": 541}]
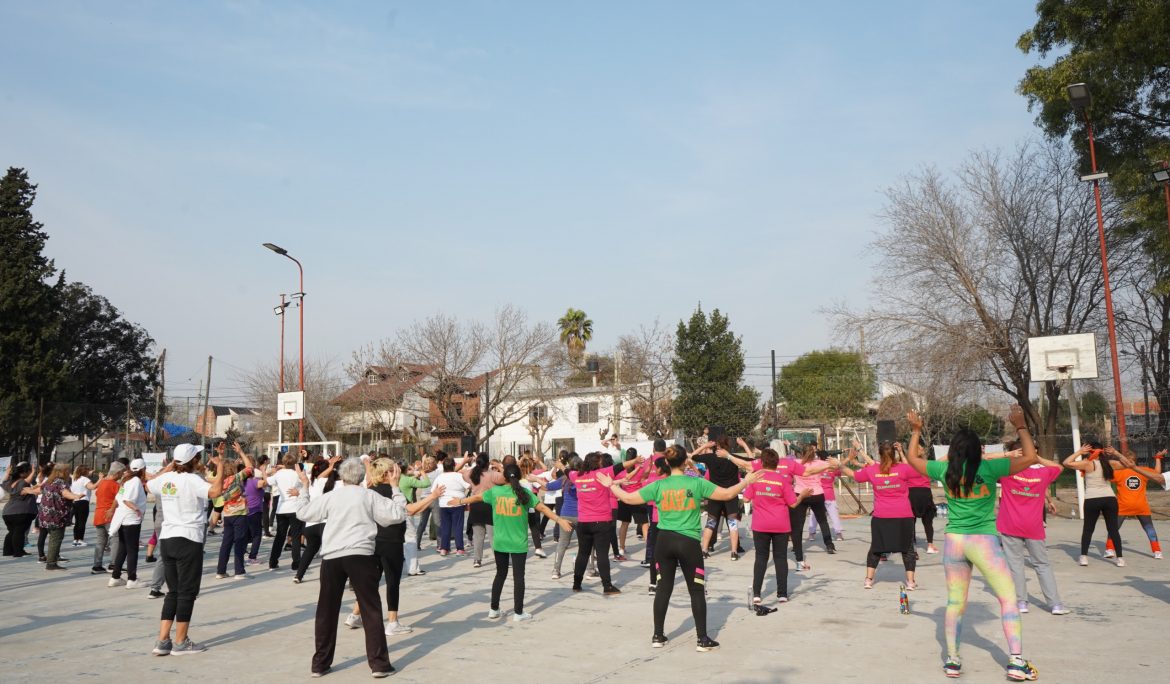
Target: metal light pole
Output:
[
  {"x": 301, "y": 305},
  {"x": 1078, "y": 94},
  {"x": 279, "y": 311},
  {"x": 1162, "y": 176}
]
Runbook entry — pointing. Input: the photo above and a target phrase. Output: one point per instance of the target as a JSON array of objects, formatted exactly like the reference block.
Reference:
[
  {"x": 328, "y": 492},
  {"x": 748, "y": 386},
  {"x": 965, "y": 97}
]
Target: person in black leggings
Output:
[
  {"x": 1100, "y": 500},
  {"x": 679, "y": 532}
]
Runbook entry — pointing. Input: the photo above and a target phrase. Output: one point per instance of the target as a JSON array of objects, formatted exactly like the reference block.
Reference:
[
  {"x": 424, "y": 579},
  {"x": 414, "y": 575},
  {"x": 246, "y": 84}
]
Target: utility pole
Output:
[
  {"x": 128, "y": 455},
  {"x": 617, "y": 395},
  {"x": 40, "y": 429},
  {"x": 158, "y": 393},
  {"x": 775, "y": 412},
  {"x": 206, "y": 401}
]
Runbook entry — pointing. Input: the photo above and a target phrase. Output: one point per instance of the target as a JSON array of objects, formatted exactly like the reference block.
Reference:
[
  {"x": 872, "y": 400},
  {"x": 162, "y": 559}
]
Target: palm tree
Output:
[{"x": 576, "y": 330}]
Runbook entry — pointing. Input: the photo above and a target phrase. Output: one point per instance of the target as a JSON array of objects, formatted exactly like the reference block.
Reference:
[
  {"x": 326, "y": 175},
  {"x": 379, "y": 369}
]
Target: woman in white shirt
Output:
[
  {"x": 81, "y": 486},
  {"x": 323, "y": 479},
  {"x": 130, "y": 503},
  {"x": 450, "y": 515},
  {"x": 288, "y": 526}
]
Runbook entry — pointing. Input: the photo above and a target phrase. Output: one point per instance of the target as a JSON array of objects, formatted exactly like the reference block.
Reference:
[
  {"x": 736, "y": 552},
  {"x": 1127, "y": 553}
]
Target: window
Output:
[
  {"x": 458, "y": 409},
  {"x": 371, "y": 378},
  {"x": 538, "y": 413},
  {"x": 567, "y": 444},
  {"x": 587, "y": 413}
]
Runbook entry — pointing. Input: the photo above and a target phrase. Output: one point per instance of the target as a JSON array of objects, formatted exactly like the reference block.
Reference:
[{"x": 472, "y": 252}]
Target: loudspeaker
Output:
[
  {"x": 887, "y": 431},
  {"x": 467, "y": 444}
]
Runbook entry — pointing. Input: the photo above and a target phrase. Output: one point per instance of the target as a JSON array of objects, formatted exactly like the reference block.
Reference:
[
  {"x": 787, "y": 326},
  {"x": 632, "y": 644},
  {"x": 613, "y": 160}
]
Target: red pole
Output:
[
  {"x": 282, "y": 310},
  {"x": 301, "y": 270},
  {"x": 1108, "y": 292}
]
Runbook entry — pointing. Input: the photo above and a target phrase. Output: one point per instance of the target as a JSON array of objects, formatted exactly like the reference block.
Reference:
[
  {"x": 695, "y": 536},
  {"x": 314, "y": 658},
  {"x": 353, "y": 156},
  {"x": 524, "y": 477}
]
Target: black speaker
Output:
[
  {"x": 467, "y": 444},
  {"x": 887, "y": 431}
]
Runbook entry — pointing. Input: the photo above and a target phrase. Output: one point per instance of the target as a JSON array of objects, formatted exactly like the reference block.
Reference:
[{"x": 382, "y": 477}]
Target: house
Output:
[
  {"x": 387, "y": 404},
  {"x": 217, "y": 420}
]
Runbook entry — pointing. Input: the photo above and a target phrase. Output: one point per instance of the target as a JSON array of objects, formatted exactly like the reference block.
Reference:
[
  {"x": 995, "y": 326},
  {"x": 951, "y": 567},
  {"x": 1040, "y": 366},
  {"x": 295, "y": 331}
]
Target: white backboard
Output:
[
  {"x": 1076, "y": 353},
  {"x": 290, "y": 405}
]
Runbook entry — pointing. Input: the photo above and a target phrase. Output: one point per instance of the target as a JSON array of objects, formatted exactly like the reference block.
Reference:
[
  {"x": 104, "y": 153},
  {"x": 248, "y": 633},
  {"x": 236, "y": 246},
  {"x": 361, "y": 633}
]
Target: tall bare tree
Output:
[
  {"x": 647, "y": 378},
  {"x": 1143, "y": 324},
  {"x": 975, "y": 262},
  {"x": 323, "y": 382}
]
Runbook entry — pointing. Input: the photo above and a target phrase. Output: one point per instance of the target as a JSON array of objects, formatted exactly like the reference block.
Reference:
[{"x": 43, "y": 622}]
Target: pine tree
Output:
[{"x": 709, "y": 366}]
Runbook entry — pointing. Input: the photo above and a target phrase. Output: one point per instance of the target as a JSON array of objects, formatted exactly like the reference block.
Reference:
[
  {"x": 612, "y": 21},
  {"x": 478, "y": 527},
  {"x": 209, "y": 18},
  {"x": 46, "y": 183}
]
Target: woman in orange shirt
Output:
[
  {"x": 103, "y": 512},
  {"x": 1131, "y": 500}
]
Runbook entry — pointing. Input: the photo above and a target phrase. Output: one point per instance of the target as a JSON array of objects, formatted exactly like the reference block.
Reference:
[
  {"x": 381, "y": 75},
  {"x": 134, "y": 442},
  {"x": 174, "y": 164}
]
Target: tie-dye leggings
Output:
[{"x": 962, "y": 552}]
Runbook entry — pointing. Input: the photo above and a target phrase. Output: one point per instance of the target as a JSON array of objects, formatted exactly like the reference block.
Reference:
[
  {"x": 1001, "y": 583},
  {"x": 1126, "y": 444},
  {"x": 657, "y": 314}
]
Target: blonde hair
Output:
[
  {"x": 60, "y": 471},
  {"x": 379, "y": 469}
]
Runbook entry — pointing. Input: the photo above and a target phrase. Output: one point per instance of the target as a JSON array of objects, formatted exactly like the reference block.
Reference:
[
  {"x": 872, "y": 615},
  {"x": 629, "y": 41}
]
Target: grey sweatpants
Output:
[{"x": 1013, "y": 550}]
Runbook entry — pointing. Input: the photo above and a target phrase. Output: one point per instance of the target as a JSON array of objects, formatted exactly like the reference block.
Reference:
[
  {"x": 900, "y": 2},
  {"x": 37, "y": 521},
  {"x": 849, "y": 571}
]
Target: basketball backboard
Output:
[
  {"x": 290, "y": 405},
  {"x": 1063, "y": 357}
]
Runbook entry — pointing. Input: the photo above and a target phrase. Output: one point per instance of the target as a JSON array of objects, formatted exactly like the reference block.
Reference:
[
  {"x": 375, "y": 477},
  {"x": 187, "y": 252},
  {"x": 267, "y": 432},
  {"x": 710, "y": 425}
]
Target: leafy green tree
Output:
[
  {"x": 829, "y": 384},
  {"x": 708, "y": 366},
  {"x": 576, "y": 332}
]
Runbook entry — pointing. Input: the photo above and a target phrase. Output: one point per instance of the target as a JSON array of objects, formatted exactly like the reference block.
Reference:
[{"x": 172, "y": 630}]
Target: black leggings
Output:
[
  {"x": 18, "y": 525},
  {"x": 613, "y": 540},
  {"x": 672, "y": 550},
  {"x": 128, "y": 536},
  {"x": 392, "y": 556},
  {"x": 182, "y": 561},
  {"x": 778, "y": 541},
  {"x": 517, "y": 560},
  {"x": 1095, "y": 507},
  {"x": 651, "y": 543},
  {"x": 592, "y": 536},
  {"x": 534, "y": 528},
  {"x": 799, "y": 514},
  {"x": 80, "y": 516},
  {"x": 313, "y": 534},
  {"x": 287, "y": 525}
]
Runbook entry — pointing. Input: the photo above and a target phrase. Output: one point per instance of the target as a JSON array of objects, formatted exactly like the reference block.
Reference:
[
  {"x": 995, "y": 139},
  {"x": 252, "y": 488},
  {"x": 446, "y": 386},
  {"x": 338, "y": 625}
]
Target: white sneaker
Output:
[
  {"x": 1109, "y": 553},
  {"x": 1157, "y": 555},
  {"x": 1121, "y": 562},
  {"x": 1023, "y": 606},
  {"x": 521, "y": 617},
  {"x": 115, "y": 582},
  {"x": 1059, "y": 609},
  {"x": 493, "y": 614},
  {"x": 353, "y": 621},
  {"x": 395, "y": 628},
  {"x": 539, "y": 553},
  {"x": 131, "y": 584},
  {"x": 1084, "y": 560}
]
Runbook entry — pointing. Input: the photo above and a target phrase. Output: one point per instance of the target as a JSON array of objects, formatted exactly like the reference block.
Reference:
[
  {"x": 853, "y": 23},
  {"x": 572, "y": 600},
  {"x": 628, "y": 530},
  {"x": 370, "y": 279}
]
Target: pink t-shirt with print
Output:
[
  {"x": 788, "y": 467},
  {"x": 1021, "y": 508},
  {"x": 771, "y": 497},
  {"x": 592, "y": 499},
  {"x": 827, "y": 477},
  {"x": 891, "y": 491}
]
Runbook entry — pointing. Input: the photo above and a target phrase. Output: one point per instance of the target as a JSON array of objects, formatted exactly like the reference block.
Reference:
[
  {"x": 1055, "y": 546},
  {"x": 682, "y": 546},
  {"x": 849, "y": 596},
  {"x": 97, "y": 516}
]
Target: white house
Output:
[{"x": 385, "y": 402}]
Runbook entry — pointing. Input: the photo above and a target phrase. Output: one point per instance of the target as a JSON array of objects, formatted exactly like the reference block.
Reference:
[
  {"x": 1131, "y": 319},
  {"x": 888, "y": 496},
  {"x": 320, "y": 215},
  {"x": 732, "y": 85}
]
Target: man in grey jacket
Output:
[{"x": 347, "y": 552}]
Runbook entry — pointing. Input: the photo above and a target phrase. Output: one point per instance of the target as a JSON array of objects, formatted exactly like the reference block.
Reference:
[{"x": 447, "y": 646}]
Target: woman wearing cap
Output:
[
  {"x": 347, "y": 552},
  {"x": 127, "y": 524},
  {"x": 183, "y": 496}
]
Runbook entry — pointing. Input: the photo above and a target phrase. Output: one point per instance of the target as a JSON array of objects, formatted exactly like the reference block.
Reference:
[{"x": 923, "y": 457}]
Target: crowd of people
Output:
[{"x": 366, "y": 519}]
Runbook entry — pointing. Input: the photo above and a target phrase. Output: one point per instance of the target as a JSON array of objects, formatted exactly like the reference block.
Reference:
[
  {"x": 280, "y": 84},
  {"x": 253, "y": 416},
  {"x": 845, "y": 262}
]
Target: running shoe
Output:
[
  {"x": 646, "y": 563},
  {"x": 781, "y": 599},
  {"x": 911, "y": 586},
  {"x": 653, "y": 589},
  {"x": 619, "y": 558},
  {"x": 811, "y": 539},
  {"x": 1020, "y": 670},
  {"x": 1022, "y": 606},
  {"x": 539, "y": 553},
  {"x": 162, "y": 648},
  {"x": 1083, "y": 561},
  {"x": 556, "y": 575},
  {"x": 115, "y": 582},
  {"x": 353, "y": 621},
  {"x": 952, "y": 667},
  {"x": 54, "y": 566},
  {"x": 1059, "y": 609},
  {"x": 220, "y": 575},
  {"x": 322, "y": 673},
  {"x": 155, "y": 594},
  {"x": 1157, "y": 555},
  {"x": 611, "y": 590},
  {"x": 253, "y": 561},
  {"x": 42, "y": 559},
  {"x": 658, "y": 641},
  {"x": 577, "y": 587},
  {"x": 131, "y": 584},
  {"x": 420, "y": 572},
  {"x": 931, "y": 550},
  {"x": 831, "y": 549},
  {"x": 868, "y": 583},
  {"x": 1110, "y": 553},
  {"x": 151, "y": 559},
  {"x": 477, "y": 564},
  {"x": 1121, "y": 562},
  {"x": 442, "y": 552},
  {"x": 594, "y": 573},
  {"x": 493, "y": 614},
  {"x": 756, "y": 600},
  {"x": 296, "y": 580},
  {"x": 740, "y": 550},
  {"x": 396, "y": 628},
  {"x": 706, "y": 554},
  {"x": 734, "y": 556},
  {"x": 97, "y": 570},
  {"x": 706, "y": 644},
  {"x": 187, "y": 647},
  {"x": 382, "y": 674},
  {"x": 460, "y": 552},
  {"x": 841, "y": 537},
  {"x": 241, "y": 576},
  {"x": 521, "y": 617}
]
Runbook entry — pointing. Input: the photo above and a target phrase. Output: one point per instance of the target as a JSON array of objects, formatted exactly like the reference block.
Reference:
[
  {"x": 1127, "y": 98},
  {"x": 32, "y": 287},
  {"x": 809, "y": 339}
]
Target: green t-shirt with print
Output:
[
  {"x": 974, "y": 514},
  {"x": 509, "y": 519},
  {"x": 677, "y": 498}
]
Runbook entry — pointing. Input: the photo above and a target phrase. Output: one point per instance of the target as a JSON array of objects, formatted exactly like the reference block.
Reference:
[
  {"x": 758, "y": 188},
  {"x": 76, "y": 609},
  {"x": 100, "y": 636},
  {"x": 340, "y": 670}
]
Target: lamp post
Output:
[
  {"x": 1079, "y": 96},
  {"x": 300, "y": 295},
  {"x": 279, "y": 311},
  {"x": 1162, "y": 176}
]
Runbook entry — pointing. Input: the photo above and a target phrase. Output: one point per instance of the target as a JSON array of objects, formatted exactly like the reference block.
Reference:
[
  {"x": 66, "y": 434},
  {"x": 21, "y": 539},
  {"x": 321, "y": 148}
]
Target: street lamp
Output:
[
  {"x": 300, "y": 296},
  {"x": 1079, "y": 96},
  {"x": 1162, "y": 176}
]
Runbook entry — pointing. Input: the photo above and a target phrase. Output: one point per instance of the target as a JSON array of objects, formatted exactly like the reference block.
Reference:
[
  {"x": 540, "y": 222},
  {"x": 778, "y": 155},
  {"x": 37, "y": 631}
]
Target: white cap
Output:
[
  {"x": 137, "y": 465},
  {"x": 186, "y": 452}
]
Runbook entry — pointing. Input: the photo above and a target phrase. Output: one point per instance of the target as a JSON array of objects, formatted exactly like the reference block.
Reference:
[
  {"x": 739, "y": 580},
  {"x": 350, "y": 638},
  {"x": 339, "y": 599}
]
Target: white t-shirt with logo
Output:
[
  {"x": 282, "y": 481},
  {"x": 132, "y": 491},
  {"x": 183, "y": 500},
  {"x": 78, "y": 487}
]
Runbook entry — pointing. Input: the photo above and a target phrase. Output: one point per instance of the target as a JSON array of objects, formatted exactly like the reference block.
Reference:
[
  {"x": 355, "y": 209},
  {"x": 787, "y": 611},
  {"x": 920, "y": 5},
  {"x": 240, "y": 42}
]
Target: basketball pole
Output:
[{"x": 1075, "y": 419}]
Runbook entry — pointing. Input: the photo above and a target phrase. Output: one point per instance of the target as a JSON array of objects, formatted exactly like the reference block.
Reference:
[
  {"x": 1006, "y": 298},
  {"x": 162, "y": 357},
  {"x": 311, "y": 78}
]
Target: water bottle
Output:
[{"x": 903, "y": 600}]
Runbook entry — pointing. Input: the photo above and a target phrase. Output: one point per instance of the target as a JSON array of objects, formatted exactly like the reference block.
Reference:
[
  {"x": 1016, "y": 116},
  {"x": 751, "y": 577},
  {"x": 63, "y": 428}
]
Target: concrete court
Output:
[{"x": 69, "y": 625}]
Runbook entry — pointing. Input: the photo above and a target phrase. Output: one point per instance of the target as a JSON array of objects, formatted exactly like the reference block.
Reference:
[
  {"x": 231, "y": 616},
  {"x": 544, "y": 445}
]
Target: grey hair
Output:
[{"x": 351, "y": 471}]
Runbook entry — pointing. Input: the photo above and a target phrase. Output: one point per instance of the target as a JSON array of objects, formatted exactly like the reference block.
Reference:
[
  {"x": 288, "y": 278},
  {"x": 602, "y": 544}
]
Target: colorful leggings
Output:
[
  {"x": 962, "y": 552},
  {"x": 1147, "y": 525}
]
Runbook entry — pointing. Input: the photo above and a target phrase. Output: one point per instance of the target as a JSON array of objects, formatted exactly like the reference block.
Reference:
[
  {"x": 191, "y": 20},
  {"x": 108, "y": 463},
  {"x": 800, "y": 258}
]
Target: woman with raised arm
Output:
[
  {"x": 1020, "y": 522},
  {"x": 812, "y": 498},
  {"x": 482, "y": 476},
  {"x": 509, "y": 504},
  {"x": 891, "y": 528},
  {"x": 971, "y": 538},
  {"x": 679, "y": 531},
  {"x": 127, "y": 524},
  {"x": 321, "y": 480},
  {"x": 82, "y": 486},
  {"x": 921, "y": 502},
  {"x": 1132, "y": 501},
  {"x": 1100, "y": 500},
  {"x": 772, "y": 500}
]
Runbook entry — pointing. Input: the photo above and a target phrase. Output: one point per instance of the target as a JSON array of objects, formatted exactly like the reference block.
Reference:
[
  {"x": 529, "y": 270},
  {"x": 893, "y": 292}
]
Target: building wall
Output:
[{"x": 586, "y": 436}]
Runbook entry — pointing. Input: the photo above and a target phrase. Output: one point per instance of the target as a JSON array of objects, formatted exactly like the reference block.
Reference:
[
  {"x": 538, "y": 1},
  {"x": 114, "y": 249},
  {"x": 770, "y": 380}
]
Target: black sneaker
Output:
[
  {"x": 706, "y": 554},
  {"x": 734, "y": 556},
  {"x": 653, "y": 589},
  {"x": 97, "y": 570},
  {"x": 706, "y": 644},
  {"x": 831, "y": 549},
  {"x": 645, "y": 563},
  {"x": 576, "y": 587},
  {"x": 155, "y": 594},
  {"x": 658, "y": 641},
  {"x": 151, "y": 559},
  {"x": 611, "y": 590}
]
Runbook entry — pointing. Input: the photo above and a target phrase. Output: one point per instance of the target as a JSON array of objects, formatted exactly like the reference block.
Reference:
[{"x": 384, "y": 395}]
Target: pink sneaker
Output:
[{"x": 460, "y": 552}]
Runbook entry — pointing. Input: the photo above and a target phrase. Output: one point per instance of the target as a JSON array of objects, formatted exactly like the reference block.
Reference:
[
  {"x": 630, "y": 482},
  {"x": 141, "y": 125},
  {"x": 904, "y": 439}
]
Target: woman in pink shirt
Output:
[
  {"x": 772, "y": 499},
  {"x": 892, "y": 525},
  {"x": 828, "y": 479},
  {"x": 921, "y": 501},
  {"x": 1020, "y": 523},
  {"x": 594, "y": 518},
  {"x": 813, "y": 496}
]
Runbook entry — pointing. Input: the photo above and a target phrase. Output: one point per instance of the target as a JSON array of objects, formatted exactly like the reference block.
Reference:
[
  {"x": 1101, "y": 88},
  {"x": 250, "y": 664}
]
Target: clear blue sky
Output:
[{"x": 628, "y": 159}]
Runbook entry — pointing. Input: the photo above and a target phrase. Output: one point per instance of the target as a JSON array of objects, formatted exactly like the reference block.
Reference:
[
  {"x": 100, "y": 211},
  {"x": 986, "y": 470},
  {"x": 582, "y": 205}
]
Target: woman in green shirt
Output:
[
  {"x": 972, "y": 539},
  {"x": 679, "y": 531},
  {"x": 510, "y": 503}
]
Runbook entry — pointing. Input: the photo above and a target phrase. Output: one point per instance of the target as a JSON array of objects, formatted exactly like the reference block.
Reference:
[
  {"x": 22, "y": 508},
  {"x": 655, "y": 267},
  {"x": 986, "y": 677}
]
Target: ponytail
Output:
[{"x": 512, "y": 475}]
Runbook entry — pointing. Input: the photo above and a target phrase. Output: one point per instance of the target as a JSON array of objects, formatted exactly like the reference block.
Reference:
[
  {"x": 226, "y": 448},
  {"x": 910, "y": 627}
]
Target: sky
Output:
[{"x": 634, "y": 160}]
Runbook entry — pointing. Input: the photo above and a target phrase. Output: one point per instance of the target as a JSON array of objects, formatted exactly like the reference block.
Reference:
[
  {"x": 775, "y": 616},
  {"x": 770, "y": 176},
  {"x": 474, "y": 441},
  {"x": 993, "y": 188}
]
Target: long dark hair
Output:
[
  {"x": 320, "y": 467},
  {"x": 20, "y": 471},
  {"x": 481, "y": 463},
  {"x": 592, "y": 462},
  {"x": 512, "y": 475},
  {"x": 963, "y": 462}
]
